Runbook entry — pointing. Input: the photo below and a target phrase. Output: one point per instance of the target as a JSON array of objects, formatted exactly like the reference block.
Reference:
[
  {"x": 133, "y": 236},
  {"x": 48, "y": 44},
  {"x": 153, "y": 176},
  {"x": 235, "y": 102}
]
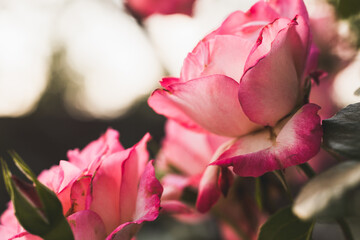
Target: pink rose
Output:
[
  {"x": 106, "y": 191},
  {"x": 243, "y": 80},
  {"x": 145, "y": 8},
  {"x": 190, "y": 153}
]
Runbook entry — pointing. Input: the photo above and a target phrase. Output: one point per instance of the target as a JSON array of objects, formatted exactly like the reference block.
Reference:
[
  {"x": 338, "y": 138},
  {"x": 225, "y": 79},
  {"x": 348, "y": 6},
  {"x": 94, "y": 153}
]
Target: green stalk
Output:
[
  {"x": 307, "y": 169},
  {"x": 280, "y": 175}
]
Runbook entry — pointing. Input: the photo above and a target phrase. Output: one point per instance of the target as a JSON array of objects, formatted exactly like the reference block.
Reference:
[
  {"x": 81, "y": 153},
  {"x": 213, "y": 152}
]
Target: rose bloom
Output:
[
  {"x": 106, "y": 191},
  {"x": 248, "y": 80},
  {"x": 189, "y": 153},
  {"x": 145, "y": 8}
]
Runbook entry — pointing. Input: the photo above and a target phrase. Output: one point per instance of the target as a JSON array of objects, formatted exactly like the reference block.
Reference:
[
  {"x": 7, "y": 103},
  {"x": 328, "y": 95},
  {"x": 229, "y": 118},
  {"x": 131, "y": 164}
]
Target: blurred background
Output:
[{"x": 71, "y": 69}]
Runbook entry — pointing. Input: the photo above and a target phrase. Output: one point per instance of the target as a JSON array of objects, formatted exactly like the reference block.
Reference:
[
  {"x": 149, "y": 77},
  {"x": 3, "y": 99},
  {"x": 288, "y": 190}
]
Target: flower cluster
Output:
[
  {"x": 248, "y": 81},
  {"x": 240, "y": 107},
  {"x": 106, "y": 191}
]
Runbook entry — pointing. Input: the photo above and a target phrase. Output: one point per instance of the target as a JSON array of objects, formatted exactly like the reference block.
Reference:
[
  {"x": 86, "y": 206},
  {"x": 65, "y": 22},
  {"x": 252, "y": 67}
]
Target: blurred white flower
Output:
[
  {"x": 346, "y": 83},
  {"x": 109, "y": 52},
  {"x": 26, "y": 48}
]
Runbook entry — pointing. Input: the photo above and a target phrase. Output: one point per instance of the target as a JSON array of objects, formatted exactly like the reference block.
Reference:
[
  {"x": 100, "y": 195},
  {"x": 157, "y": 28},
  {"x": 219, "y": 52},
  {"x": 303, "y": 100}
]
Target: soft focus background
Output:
[{"x": 71, "y": 69}]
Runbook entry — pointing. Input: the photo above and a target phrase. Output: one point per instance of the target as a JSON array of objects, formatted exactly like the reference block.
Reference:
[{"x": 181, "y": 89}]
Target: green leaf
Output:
[
  {"x": 37, "y": 208},
  {"x": 28, "y": 213},
  {"x": 331, "y": 194},
  {"x": 6, "y": 175},
  {"x": 22, "y": 166},
  {"x": 284, "y": 225},
  {"x": 342, "y": 132}
]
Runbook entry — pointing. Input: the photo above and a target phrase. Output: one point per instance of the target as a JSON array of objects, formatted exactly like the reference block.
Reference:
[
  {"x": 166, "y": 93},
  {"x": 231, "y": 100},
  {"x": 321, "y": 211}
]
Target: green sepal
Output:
[{"x": 37, "y": 208}]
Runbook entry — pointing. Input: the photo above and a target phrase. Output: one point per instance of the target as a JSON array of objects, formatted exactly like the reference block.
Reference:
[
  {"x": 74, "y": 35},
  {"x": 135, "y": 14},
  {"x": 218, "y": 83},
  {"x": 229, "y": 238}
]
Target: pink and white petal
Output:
[
  {"x": 87, "y": 224},
  {"x": 6, "y": 233},
  {"x": 269, "y": 89},
  {"x": 52, "y": 178},
  {"x": 186, "y": 150},
  {"x": 141, "y": 152},
  {"x": 149, "y": 194},
  {"x": 215, "y": 141},
  {"x": 212, "y": 103},
  {"x": 60, "y": 179},
  {"x": 290, "y": 8},
  {"x": 227, "y": 56},
  {"x": 125, "y": 231},
  {"x": 23, "y": 236},
  {"x": 301, "y": 41},
  {"x": 79, "y": 193},
  {"x": 64, "y": 197},
  {"x": 264, "y": 41},
  {"x": 167, "y": 81},
  {"x": 132, "y": 169},
  {"x": 247, "y": 145},
  {"x": 300, "y": 138},
  {"x": 224, "y": 54},
  {"x": 195, "y": 62},
  {"x": 105, "y": 195},
  {"x": 8, "y": 218},
  {"x": 250, "y": 22},
  {"x": 311, "y": 63},
  {"x": 297, "y": 142},
  {"x": 226, "y": 180},
  {"x": 108, "y": 143},
  {"x": 160, "y": 102},
  {"x": 71, "y": 173},
  {"x": 173, "y": 186},
  {"x": 175, "y": 207},
  {"x": 147, "y": 205},
  {"x": 209, "y": 191}
]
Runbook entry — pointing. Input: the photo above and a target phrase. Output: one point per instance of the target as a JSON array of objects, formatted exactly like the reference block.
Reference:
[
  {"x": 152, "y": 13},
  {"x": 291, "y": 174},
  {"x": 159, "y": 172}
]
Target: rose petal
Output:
[
  {"x": 162, "y": 104},
  {"x": 270, "y": 87},
  {"x": 210, "y": 101},
  {"x": 290, "y": 8},
  {"x": 105, "y": 197},
  {"x": 23, "y": 236},
  {"x": 147, "y": 205},
  {"x": 217, "y": 56},
  {"x": 173, "y": 186},
  {"x": 186, "y": 150},
  {"x": 87, "y": 225},
  {"x": 79, "y": 193},
  {"x": 106, "y": 144},
  {"x": 125, "y": 231},
  {"x": 70, "y": 173},
  {"x": 175, "y": 207},
  {"x": 52, "y": 178},
  {"x": 209, "y": 191},
  {"x": 149, "y": 193},
  {"x": 132, "y": 169},
  {"x": 226, "y": 179},
  {"x": 297, "y": 142},
  {"x": 243, "y": 24}
]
